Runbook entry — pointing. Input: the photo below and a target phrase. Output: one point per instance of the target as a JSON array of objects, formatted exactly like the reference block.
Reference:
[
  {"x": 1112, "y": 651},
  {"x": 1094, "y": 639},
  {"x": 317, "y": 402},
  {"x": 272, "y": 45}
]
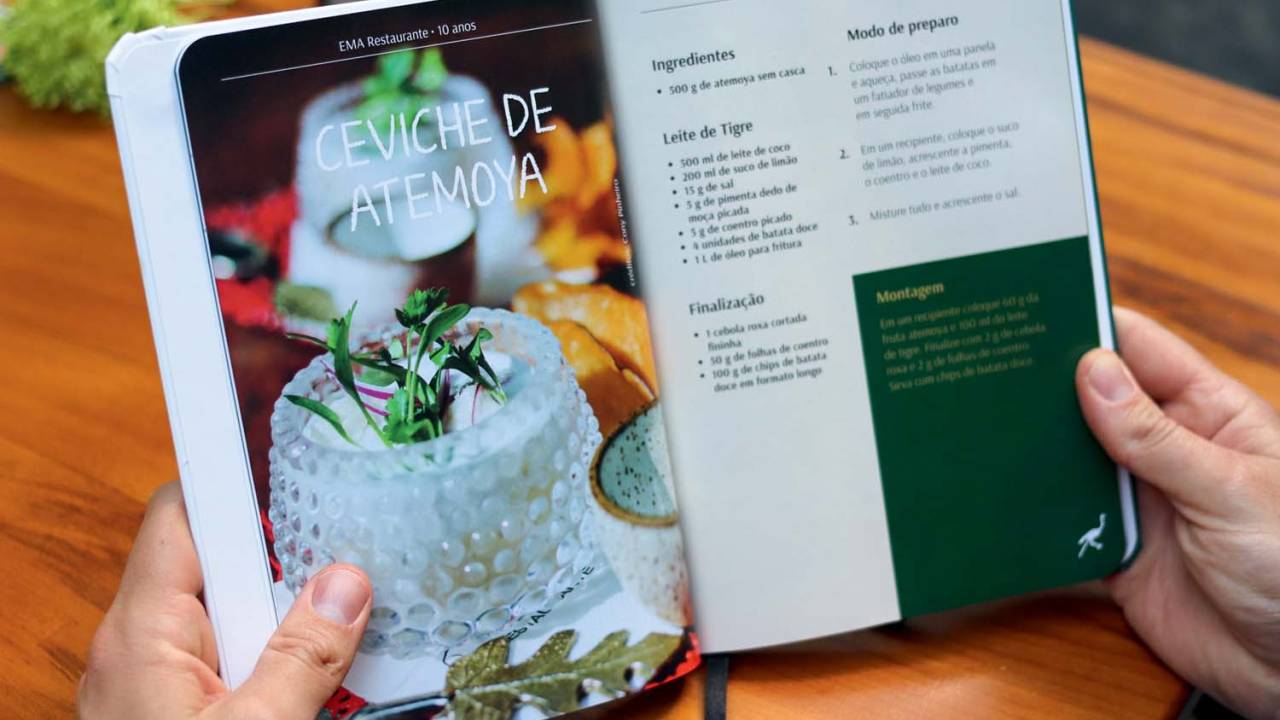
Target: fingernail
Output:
[
  {"x": 339, "y": 596},
  {"x": 1110, "y": 379}
]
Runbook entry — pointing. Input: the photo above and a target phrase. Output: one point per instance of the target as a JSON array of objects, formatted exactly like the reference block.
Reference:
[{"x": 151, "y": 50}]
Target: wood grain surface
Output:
[{"x": 1190, "y": 181}]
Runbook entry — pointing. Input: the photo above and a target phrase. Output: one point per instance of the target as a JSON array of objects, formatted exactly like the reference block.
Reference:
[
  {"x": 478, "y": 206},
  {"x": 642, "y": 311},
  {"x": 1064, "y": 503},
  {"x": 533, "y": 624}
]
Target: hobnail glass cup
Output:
[{"x": 463, "y": 536}]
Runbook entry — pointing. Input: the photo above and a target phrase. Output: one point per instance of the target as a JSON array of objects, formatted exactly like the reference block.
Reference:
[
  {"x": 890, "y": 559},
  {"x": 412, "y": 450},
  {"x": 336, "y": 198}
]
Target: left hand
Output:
[{"x": 154, "y": 658}]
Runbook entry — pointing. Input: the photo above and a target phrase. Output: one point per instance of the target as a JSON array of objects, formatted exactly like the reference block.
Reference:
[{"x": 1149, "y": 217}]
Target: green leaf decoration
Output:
[
  {"x": 431, "y": 72},
  {"x": 375, "y": 377},
  {"x": 375, "y": 368},
  {"x": 419, "y": 306},
  {"x": 339, "y": 341},
  {"x": 439, "y": 354},
  {"x": 376, "y": 85},
  {"x": 403, "y": 82},
  {"x": 464, "y": 365},
  {"x": 339, "y": 345},
  {"x": 482, "y": 686},
  {"x": 323, "y": 412},
  {"x": 304, "y": 301},
  {"x": 400, "y": 427},
  {"x": 395, "y": 67},
  {"x": 441, "y": 323},
  {"x": 378, "y": 109},
  {"x": 416, "y": 410},
  {"x": 396, "y": 348},
  {"x": 308, "y": 339},
  {"x": 398, "y": 407}
]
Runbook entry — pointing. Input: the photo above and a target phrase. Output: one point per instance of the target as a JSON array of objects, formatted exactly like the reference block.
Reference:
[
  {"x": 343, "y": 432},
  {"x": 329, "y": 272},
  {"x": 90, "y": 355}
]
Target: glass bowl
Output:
[{"x": 463, "y": 536}]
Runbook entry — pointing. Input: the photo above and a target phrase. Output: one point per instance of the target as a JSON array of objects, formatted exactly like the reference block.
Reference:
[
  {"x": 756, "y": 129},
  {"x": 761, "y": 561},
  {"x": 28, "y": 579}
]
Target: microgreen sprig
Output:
[
  {"x": 415, "y": 411},
  {"x": 403, "y": 82}
]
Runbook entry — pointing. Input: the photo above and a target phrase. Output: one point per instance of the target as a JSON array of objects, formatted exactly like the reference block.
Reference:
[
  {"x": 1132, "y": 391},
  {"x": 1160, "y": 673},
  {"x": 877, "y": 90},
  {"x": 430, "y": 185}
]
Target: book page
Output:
[
  {"x": 868, "y": 237},
  {"x": 441, "y": 362}
]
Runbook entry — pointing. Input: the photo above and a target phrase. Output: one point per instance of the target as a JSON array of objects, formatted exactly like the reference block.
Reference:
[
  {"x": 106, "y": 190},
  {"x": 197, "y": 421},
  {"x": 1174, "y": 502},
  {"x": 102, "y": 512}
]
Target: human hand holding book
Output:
[
  {"x": 1200, "y": 594},
  {"x": 855, "y": 333},
  {"x": 154, "y": 654},
  {"x": 1204, "y": 592}
]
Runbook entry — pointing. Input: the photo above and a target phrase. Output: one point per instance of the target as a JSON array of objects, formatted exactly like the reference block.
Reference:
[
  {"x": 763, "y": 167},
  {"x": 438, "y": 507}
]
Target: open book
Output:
[{"x": 602, "y": 333}]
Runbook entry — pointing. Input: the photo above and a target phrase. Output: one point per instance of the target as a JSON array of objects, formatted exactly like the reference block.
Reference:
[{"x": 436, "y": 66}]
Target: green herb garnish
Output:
[
  {"x": 404, "y": 82},
  {"x": 416, "y": 410}
]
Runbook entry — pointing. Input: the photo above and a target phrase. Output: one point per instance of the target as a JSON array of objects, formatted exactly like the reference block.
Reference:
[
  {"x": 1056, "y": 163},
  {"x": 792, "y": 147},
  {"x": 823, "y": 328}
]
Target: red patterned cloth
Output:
[
  {"x": 344, "y": 704},
  {"x": 690, "y": 662},
  {"x": 269, "y": 532},
  {"x": 266, "y": 222}
]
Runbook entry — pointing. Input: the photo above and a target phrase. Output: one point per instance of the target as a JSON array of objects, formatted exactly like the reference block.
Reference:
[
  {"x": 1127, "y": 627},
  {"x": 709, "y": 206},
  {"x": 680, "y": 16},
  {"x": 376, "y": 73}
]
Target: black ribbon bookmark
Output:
[{"x": 715, "y": 704}]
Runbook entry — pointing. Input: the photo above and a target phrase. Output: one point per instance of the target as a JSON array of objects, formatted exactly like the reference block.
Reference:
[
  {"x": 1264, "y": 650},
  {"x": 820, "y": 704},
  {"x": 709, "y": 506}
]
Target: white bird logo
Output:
[{"x": 1090, "y": 539}]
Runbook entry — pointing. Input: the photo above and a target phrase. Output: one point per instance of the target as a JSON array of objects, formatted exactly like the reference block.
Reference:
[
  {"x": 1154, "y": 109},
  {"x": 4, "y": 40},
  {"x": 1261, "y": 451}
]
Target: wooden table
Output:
[{"x": 1190, "y": 180}]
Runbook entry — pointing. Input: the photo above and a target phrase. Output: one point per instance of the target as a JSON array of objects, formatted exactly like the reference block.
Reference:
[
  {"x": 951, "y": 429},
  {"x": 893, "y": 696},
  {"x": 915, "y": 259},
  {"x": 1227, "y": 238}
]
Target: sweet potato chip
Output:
[
  {"x": 601, "y": 161},
  {"x": 556, "y": 240},
  {"x": 565, "y": 247},
  {"x": 615, "y": 395},
  {"x": 565, "y": 167},
  {"x": 638, "y": 384},
  {"x": 618, "y": 321},
  {"x": 591, "y": 251}
]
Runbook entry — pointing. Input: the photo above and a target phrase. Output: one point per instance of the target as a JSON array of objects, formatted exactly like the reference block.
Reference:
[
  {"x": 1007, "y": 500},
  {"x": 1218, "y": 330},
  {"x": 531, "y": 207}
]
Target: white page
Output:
[{"x": 779, "y": 485}]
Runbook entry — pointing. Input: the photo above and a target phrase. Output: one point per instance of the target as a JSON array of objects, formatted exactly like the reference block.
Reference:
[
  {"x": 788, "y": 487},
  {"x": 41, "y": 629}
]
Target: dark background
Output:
[
  {"x": 1236, "y": 40},
  {"x": 244, "y": 132}
]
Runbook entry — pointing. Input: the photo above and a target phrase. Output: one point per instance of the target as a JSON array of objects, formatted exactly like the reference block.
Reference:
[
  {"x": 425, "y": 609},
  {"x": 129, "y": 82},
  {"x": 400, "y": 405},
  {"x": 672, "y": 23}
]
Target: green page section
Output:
[{"x": 993, "y": 484}]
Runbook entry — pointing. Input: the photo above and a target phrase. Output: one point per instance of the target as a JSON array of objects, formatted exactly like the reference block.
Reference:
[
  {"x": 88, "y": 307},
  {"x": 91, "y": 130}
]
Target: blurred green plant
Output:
[
  {"x": 54, "y": 49},
  {"x": 403, "y": 82}
]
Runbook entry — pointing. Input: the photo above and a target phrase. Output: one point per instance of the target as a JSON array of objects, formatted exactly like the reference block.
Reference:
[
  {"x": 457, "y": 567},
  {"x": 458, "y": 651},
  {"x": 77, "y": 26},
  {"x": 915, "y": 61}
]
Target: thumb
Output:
[
  {"x": 1138, "y": 435},
  {"x": 308, "y": 657}
]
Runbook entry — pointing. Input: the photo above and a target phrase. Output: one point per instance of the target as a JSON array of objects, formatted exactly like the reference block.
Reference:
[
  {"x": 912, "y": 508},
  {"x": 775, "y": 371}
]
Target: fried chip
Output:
[
  {"x": 565, "y": 247},
  {"x": 616, "y": 395},
  {"x": 638, "y": 384},
  {"x": 579, "y": 228},
  {"x": 556, "y": 241},
  {"x": 564, "y": 168},
  {"x": 601, "y": 164},
  {"x": 618, "y": 321},
  {"x": 591, "y": 251}
]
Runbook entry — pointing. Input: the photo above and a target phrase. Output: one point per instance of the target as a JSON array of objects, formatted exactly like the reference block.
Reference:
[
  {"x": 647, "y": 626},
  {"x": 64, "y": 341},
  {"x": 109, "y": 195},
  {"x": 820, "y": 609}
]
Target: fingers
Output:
[
  {"x": 1163, "y": 363},
  {"x": 1190, "y": 388},
  {"x": 1138, "y": 435},
  {"x": 310, "y": 653},
  {"x": 163, "y": 561},
  {"x": 154, "y": 654},
  {"x": 1156, "y": 520},
  {"x": 160, "y": 588}
]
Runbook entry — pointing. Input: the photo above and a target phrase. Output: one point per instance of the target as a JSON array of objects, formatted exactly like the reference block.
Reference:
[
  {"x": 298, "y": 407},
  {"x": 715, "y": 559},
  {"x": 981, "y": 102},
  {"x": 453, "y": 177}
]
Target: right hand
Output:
[{"x": 1204, "y": 593}]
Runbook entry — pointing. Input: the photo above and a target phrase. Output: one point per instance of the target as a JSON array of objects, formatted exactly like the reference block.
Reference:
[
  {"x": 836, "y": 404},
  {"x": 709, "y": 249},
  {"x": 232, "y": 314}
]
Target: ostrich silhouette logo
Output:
[{"x": 1090, "y": 540}]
